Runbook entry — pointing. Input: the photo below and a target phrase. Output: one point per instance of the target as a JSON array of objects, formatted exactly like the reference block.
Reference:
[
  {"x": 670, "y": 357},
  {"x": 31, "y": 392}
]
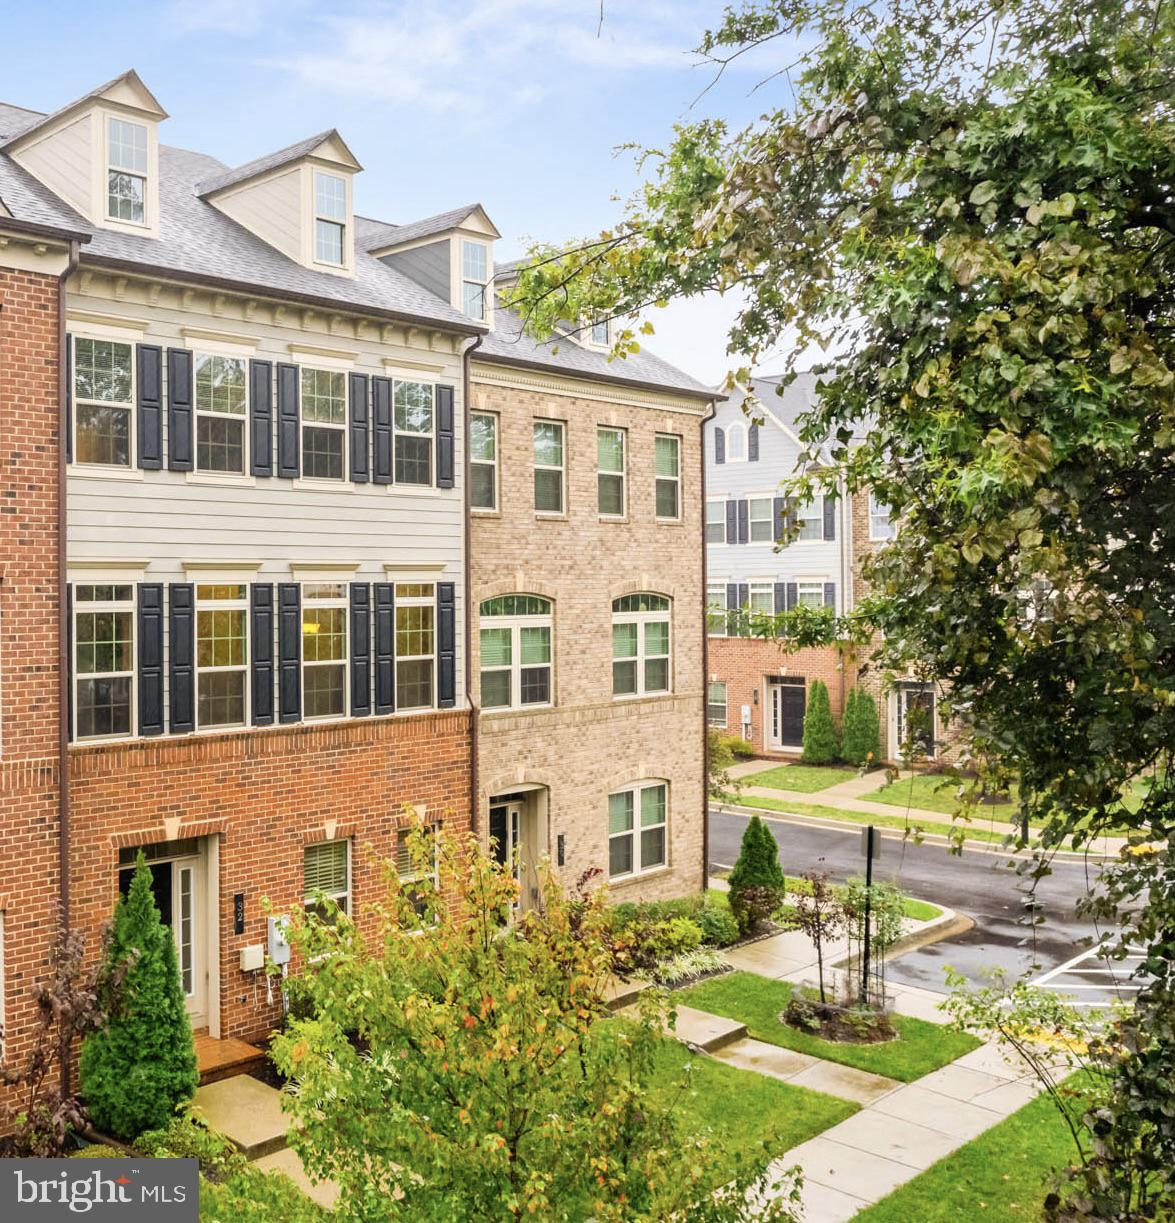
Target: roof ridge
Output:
[{"x": 267, "y": 161}]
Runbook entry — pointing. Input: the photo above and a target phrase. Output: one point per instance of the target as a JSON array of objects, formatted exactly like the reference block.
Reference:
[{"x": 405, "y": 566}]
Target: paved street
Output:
[{"x": 979, "y": 884}]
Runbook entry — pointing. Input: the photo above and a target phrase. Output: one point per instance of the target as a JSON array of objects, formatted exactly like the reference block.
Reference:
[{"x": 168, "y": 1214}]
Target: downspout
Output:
[
  {"x": 474, "y": 714},
  {"x": 711, "y": 412},
  {"x": 63, "y": 426},
  {"x": 846, "y": 543}
]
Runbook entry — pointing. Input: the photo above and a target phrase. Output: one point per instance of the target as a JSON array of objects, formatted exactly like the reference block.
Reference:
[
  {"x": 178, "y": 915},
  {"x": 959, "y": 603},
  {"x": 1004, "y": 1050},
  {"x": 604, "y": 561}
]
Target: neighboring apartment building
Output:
[
  {"x": 233, "y": 586},
  {"x": 755, "y": 689},
  {"x": 587, "y": 594}
]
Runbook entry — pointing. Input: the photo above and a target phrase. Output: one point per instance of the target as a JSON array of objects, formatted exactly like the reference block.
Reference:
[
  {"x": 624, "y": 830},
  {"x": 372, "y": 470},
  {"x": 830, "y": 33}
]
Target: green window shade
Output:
[
  {"x": 666, "y": 456},
  {"x": 495, "y": 689},
  {"x": 495, "y": 647},
  {"x": 324, "y": 867},
  {"x": 536, "y": 645},
  {"x": 652, "y": 806},
  {"x": 657, "y": 638},
  {"x": 610, "y": 449},
  {"x": 548, "y": 444},
  {"x": 624, "y": 640},
  {"x": 620, "y": 812}
]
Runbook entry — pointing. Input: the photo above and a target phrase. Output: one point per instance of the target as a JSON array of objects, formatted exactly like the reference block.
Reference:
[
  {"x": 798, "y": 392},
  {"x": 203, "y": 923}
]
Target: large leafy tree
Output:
[{"x": 970, "y": 207}]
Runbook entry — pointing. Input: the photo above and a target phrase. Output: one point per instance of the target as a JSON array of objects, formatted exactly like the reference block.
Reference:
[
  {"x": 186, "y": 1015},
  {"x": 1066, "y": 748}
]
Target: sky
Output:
[{"x": 520, "y": 105}]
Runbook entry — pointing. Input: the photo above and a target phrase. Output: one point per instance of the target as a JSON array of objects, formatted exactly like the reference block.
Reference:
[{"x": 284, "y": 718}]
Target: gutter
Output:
[
  {"x": 63, "y": 627},
  {"x": 37, "y": 229},
  {"x": 474, "y": 712},
  {"x": 710, "y": 414}
]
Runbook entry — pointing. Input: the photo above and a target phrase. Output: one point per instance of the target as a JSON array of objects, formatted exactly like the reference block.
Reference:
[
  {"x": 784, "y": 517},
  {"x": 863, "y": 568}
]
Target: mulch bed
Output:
[{"x": 841, "y": 1024}]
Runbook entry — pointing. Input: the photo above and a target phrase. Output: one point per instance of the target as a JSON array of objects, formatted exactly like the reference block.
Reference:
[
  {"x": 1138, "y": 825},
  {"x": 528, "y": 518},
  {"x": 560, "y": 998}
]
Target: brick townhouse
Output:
[
  {"x": 235, "y": 580},
  {"x": 754, "y": 689}
]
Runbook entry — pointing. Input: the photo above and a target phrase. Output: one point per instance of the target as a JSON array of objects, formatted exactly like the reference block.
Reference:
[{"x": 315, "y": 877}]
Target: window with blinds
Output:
[{"x": 326, "y": 874}]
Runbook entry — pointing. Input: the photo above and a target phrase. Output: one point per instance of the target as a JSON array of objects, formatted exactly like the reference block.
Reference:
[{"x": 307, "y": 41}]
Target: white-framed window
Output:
[
  {"x": 475, "y": 276},
  {"x": 640, "y": 645},
  {"x": 515, "y": 648},
  {"x": 637, "y": 821},
  {"x": 222, "y": 402},
  {"x": 549, "y": 466},
  {"x": 600, "y": 333},
  {"x": 104, "y": 660},
  {"x": 103, "y": 402},
  {"x": 326, "y": 873},
  {"x": 416, "y": 645},
  {"x": 126, "y": 171},
  {"x": 330, "y": 218},
  {"x": 716, "y": 702},
  {"x": 761, "y": 598},
  {"x": 610, "y": 465},
  {"x": 716, "y": 522},
  {"x": 483, "y": 460},
  {"x": 760, "y": 519},
  {"x": 324, "y": 650},
  {"x": 415, "y": 421},
  {"x": 417, "y": 884},
  {"x": 914, "y": 719},
  {"x": 324, "y": 424},
  {"x": 716, "y": 609},
  {"x": 222, "y": 655},
  {"x": 736, "y": 443},
  {"x": 810, "y": 519},
  {"x": 668, "y": 476},
  {"x": 880, "y": 523},
  {"x": 810, "y": 593}
]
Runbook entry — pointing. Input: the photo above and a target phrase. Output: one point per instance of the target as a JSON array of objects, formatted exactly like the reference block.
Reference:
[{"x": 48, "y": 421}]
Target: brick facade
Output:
[
  {"x": 29, "y": 671},
  {"x": 569, "y": 758}
]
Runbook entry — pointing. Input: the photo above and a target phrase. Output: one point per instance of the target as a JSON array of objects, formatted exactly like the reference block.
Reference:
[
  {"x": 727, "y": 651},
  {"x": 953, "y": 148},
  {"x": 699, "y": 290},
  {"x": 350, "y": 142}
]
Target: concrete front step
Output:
[
  {"x": 325, "y": 1193},
  {"x": 705, "y": 1031},
  {"x": 247, "y": 1112},
  {"x": 619, "y": 993}
]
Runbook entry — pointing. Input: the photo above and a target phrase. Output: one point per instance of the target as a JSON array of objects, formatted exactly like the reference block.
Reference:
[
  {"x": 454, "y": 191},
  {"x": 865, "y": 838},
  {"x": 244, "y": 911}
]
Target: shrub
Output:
[
  {"x": 249, "y": 1195},
  {"x": 190, "y": 1137},
  {"x": 862, "y": 729},
  {"x": 138, "y": 1069},
  {"x": 757, "y": 882},
  {"x": 702, "y": 962},
  {"x": 744, "y": 749},
  {"x": 717, "y": 923},
  {"x": 821, "y": 742}
]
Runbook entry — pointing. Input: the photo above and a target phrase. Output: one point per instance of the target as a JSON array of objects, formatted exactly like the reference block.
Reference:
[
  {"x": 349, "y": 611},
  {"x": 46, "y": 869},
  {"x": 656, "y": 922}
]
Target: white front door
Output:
[{"x": 914, "y": 716}]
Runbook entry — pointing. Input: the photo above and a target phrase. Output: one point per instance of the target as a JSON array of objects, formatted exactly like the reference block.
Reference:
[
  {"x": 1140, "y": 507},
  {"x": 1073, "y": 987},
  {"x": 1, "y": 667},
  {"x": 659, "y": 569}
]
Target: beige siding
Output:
[
  {"x": 63, "y": 161},
  {"x": 272, "y": 209}
]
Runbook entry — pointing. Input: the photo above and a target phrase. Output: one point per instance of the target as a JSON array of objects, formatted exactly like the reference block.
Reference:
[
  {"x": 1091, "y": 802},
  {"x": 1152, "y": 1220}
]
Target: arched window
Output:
[
  {"x": 515, "y": 641},
  {"x": 640, "y": 645},
  {"x": 736, "y": 443}
]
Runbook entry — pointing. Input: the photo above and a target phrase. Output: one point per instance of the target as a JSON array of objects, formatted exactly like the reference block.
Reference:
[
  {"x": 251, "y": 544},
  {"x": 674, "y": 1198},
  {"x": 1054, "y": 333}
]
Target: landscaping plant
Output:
[
  {"x": 821, "y": 742},
  {"x": 462, "y": 1063},
  {"x": 819, "y": 912},
  {"x": 138, "y": 1068},
  {"x": 756, "y": 884},
  {"x": 862, "y": 730}
]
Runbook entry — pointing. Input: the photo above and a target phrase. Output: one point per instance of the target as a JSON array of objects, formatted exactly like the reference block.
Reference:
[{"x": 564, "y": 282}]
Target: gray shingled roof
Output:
[
  {"x": 393, "y": 235},
  {"x": 28, "y": 200},
  {"x": 509, "y": 344},
  {"x": 36, "y": 118},
  {"x": 259, "y": 165}
]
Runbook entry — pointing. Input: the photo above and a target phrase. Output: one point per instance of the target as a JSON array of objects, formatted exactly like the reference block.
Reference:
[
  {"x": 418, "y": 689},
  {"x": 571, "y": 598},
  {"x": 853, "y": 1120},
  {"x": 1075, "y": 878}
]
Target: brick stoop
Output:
[{"x": 221, "y": 1059}]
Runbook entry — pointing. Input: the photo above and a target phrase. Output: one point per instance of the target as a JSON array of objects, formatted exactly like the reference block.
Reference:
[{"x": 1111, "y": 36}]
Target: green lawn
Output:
[
  {"x": 918, "y": 910},
  {"x": 1001, "y": 1177},
  {"x": 933, "y": 792},
  {"x": 739, "y": 1108},
  {"x": 756, "y": 1001},
  {"x": 806, "y": 778}
]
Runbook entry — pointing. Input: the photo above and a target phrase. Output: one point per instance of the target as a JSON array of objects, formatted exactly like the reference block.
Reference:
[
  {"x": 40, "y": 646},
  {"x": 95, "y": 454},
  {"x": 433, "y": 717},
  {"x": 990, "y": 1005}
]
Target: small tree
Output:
[
  {"x": 463, "y": 1063},
  {"x": 821, "y": 742},
  {"x": 138, "y": 1068},
  {"x": 862, "y": 729},
  {"x": 720, "y": 759},
  {"x": 820, "y": 914},
  {"x": 757, "y": 882}
]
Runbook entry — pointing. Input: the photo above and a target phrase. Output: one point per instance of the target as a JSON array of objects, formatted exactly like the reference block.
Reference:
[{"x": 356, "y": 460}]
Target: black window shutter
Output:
[
  {"x": 385, "y": 645},
  {"x": 731, "y": 596},
  {"x": 261, "y": 651},
  {"x": 744, "y": 594},
  {"x": 181, "y": 640},
  {"x": 830, "y": 594},
  {"x": 793, "y": 595},
  {"x": 149, "y": 358},
  {"x": 287, "y": 421},
  {"x": 732, "y": 522},
  {"x": 360, "y": 649},
  {"x": 358, "y": 427},
  {"x": 69, "y": 660},
  {"x": 753, "y": 444},
  {"x": 779, "y": 515},
  {"x": 151, "y": 658},
  {"x": 744, "y": 522},
  {"x": 67, "y": 424},
  {"x": 719, "y": 445},
  {"x": 179, "y": 410},
  {"x": 446, "y": 645},
  {"x": 261, "y": 425},
  {"x": 381, "y": 447},
  {"x": 780, "y": 597},
  {"x": 444, "y": 437},
  {"x": 829, "y": 516},
  {"x": 289, "y": 652}
]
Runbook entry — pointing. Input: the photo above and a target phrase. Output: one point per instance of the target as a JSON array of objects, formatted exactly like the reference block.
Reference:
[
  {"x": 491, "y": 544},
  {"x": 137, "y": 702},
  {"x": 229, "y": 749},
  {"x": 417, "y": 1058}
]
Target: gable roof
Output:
[
  {"x": 392, "y": 236},
  {"x": 272, "y": 161},
  {"x": 129, "y": 78}
]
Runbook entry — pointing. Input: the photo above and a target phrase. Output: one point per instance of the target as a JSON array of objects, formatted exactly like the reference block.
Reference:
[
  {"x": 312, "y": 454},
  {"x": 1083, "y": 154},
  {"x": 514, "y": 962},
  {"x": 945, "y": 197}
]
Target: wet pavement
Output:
[{"x": 980, "y": 884}]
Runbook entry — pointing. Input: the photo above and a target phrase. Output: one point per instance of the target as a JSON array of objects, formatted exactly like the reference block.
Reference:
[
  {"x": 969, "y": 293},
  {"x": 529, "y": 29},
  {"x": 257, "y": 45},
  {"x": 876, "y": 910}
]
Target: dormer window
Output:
[
  {"x": 600, "y": 334},
  {"x": 330, "y": 218},
  {"x": 126, "y": 171},
  {"x": 475, "y": 274}
]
